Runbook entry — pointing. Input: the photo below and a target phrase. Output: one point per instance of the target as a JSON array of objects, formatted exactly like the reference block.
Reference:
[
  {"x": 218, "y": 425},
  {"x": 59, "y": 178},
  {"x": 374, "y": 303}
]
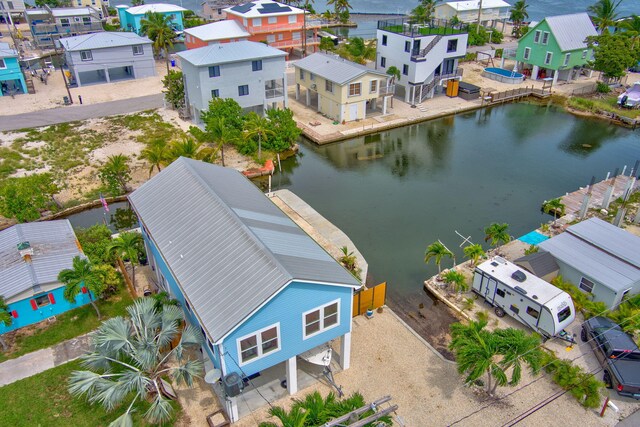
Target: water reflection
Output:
[
  {"x": 585, "y": 138},
  {"x": 124, "y": 219}
]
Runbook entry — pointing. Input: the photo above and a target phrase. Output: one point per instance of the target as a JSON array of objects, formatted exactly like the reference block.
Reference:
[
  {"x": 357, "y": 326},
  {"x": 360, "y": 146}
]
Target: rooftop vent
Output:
[
  {"x": 25, "y": 250},
  {"x": 519, "y": 276},
  {"x": 520, "y": 290}
]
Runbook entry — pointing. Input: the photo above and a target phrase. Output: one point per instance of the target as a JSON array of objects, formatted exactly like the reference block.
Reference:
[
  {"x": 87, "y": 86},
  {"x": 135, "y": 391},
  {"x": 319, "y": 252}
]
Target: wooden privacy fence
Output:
[{"x": 369, "y": 298}]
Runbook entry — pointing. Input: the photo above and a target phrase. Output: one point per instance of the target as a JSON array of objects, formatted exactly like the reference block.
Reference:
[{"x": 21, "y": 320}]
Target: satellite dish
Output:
[{"x": 213, "y": 376}]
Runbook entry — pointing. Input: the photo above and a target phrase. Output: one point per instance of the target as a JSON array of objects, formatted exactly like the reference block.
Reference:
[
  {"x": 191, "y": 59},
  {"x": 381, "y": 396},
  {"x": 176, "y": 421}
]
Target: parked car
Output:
[{"x": 617, "y": 353}]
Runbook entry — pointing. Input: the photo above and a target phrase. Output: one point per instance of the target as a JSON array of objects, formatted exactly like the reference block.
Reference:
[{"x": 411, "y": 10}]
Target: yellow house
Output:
[
  {"x": 341, "y": 89},
  {"x": 101, "y": 5}
]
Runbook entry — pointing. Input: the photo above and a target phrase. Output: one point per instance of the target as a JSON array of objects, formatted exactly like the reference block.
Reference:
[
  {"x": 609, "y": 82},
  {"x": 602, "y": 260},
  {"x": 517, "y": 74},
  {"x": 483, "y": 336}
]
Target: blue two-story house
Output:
[
  {"x": 131, "y": 17},
  {"x": 261, "y": 290},
  {"x": 31, "y": 256},
  {"x": 11, "y": 77}
]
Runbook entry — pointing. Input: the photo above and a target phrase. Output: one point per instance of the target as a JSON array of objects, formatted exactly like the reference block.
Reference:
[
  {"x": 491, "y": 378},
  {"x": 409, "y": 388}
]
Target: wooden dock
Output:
[
  {"x": 573, "y": 201},
  {"x": 492, "y": 97}
]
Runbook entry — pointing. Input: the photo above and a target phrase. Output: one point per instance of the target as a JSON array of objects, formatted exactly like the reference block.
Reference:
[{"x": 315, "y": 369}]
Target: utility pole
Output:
[
  {"x": 304, "y": 29},
  {"x": 64, "y": 76},
  {"x": 479, "y": 16}
]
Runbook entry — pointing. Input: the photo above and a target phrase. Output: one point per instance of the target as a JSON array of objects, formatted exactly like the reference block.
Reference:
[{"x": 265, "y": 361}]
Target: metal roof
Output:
[
  {"x": 474, "y": 4},
  {"x": 539, "y": 263},
  {"x": 600, "y": 251},
  {"x": 229, "y": 247},
  {"x": 334, "y": 68},
  {"x": 229, "y": 52},
  {"x": 74, "y": 11},
  {"x": 6, "y": 51},
  {"x": 102, "y": 40},
  {"x": 260, "y": 8},
  {"x": 54, "y": 246},
  {"x": 154, "y": 7},
  {"x": 220, "y": 30},
  {"x": 571, "y": 31}
]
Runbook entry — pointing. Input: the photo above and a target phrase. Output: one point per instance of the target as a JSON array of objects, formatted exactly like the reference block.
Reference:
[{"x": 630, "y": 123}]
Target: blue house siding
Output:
[
  {"x": 286, "y": 309},
  {"x": 12, "y": 72},
  {"x": 133, "y": 22},
  {"x": 28, "y": 316}
]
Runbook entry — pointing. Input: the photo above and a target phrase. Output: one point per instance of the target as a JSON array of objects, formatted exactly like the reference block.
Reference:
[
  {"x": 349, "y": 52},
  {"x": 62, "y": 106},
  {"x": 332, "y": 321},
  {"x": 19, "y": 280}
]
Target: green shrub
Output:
[
  {"x": 602, "y": 87},
  {"x": 582, "y": 385},
  {"x": 496, "y": 36}
]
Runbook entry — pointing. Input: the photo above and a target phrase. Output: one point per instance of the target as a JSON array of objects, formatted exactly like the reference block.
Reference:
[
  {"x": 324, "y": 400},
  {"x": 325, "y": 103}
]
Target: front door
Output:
[{"x": 353, "y": 111}]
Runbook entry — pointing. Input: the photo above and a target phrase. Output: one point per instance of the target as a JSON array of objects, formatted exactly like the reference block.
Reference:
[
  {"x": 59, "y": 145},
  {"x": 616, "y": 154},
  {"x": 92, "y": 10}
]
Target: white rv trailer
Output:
[{"x": 523, "y": 296}]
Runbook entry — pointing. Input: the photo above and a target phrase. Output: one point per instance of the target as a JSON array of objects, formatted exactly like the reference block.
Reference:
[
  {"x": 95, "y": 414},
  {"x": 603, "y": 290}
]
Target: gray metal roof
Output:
[
  {"x": 334, "y": 68},
  {"x": 54, "y": 247},
  {"x": 571, "y": 31},
  {"x": 229, "y": 52},
  {"x": 539, "y": 263},
  {"x": 6, "y": 51},
  {"x": 101, "y": 40},
  {"x": 229, "y": 247},
  {"x": 600, "y": 251}
]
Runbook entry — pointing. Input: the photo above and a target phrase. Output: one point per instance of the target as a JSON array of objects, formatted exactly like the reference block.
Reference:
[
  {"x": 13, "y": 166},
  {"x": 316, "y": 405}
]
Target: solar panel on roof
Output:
[
  {"x": 242, "y": 8},
  {"x": 274, "y": 8}
]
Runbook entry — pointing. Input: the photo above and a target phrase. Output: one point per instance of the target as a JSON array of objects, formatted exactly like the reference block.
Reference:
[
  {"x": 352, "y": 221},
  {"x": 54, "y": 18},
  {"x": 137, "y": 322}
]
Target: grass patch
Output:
[
  {"x": 43, "y": 400},
  {"x": 68, "y": 325},
  {"x": 12, "y": 160},
  {"x": 608, "y": 104},
  {"x": 149, "y": 124}
]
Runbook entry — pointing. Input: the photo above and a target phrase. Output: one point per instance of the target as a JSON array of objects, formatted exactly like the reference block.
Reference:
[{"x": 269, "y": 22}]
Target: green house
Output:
[{"x": 556, "y": 47}]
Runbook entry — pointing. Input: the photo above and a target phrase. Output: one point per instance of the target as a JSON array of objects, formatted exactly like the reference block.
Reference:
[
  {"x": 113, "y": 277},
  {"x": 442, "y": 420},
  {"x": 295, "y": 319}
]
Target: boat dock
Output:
[{"x": 573, "y": 201}]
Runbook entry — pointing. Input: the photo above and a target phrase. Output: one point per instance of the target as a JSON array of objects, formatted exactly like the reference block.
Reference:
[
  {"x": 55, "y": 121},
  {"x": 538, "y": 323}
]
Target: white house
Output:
[
  {"x": 251, "y": 73},
  {"x": 467, "y": 11},
  {"x": 11, "y": 9},
  {"x": 426, "y": 56}
]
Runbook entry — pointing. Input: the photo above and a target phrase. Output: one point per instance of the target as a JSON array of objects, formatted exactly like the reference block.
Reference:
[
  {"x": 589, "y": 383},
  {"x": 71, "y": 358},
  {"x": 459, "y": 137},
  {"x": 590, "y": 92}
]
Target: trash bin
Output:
[
  {"x": 65, "y": 99},
  {"x": 173, "y": 62}
]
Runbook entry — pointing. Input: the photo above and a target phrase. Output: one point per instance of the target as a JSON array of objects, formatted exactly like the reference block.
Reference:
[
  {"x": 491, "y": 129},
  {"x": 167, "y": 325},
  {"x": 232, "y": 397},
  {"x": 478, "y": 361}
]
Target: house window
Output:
[
  {"x": 533, "y": 312},
  {"x": 567, "y": 58},
  {"x": 527, "y": 52},
  {"x": 138, "y": 50},
  {"x": 215, "y": 93},
  {"x": 586, "y": 285},
  {"x": 293, "y": 19},
  {"x": 9, "y": 5},
  {"x": 301, "y": 74},
  {"x": 452, "y": 45},
  {"x": 374, "y": 86},
  {"x": 545, "y": 37},
  {"x": 321, "y": 319},
  {"x": 355, "y": 89},
  {"x": 407, "y": 46},
  {"x": 271, "y": 38},
  {"x": 536, "y": 37},
  {"x": 257, "y": 345},
  {"x": 214, "y": 71},
  {"x": 256, "y": 65},
  {"x": 584, "y": 54},
  {"x": 548, "y": 57},
  {"x": 405, "y": 69},
  {"x": 295, "y": 35},
  {"x": 42, "y": 300},
  {"x": 312, "y": 77},
  {"x": 256, "y": 22},
  {"x": 383, "y": 62},
  {"x": 328, "y": 86},
  {"x": 500, "y": 292},
  {"x": 3, "y": 65},
  {"x": 85, "y": 55},
  {"x": 273, "y": 20},
  {"x": 384, "y": 40},
  {"x": 79, "y": 2},
  {"x": 514, "y": 308},
  {"x": 243, "y": 90},
  {"x": 86, "y": 20},
  {"x": 64, "y": 22}
]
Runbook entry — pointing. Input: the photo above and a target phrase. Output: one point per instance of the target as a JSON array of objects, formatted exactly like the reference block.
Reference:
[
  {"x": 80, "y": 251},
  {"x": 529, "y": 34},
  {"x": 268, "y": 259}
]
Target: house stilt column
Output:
[
  {"x": 345, "y": 351},
  {"x": 297, "y": 91},
  {"x": 308, "y": 96},
  {"x": 231, "y": 405},
  {"x": 555, "y": 77},
  {"x": 284, "y": 89},
  {"x": 292, "y": 375},
  {"x": 384, "y": 105},
  {"x": 534, "y": 72}
]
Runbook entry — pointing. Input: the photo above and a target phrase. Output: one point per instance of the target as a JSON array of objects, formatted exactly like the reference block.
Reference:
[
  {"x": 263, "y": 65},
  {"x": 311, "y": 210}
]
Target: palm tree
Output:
[
  {"x": 129, "y": 246},
  {"x": 518, "y": 14},
  {"x": 341, "y": 8},
  {"x": 116, "y": 170},
  {"x": 394, "y": 72},
  {"x": 419, "y": 14},
  {"x": 604, "y": 14},
  {"x": 256, "y": 125},
  {"x": 222, "y": 134},
  {"x": 437, "y": 251},
  {"x": 474, "y": 252},
  {"x": 554, "y": 206},
  {"x": 80, "y": 276},
  {"x": 457, "y": 279},
  {"x": 191, "y": 149},
  {"x": 5, "y": 319},
  {"x": 518, "y": 347},
  {"x": 497, "y": 233},
  {"x": 129, "y": 357},
  {"x": 430, "y": 7},
  {"x": 156, "y": 153},
  {"x": 632, "y": 29},
  {"x": 157, "y": 27}
]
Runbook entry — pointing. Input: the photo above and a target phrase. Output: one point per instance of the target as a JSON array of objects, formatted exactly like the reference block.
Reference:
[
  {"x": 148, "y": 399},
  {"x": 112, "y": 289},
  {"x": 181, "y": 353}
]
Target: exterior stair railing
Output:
[
  {"x": 420, "y": 55},
  {"x": 427, "y": 87}
]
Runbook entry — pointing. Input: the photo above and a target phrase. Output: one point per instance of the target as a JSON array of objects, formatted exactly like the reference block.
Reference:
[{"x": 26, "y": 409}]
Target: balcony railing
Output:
[
  {"x": 387, "y": 90},
  {"x": 273, "y": 89},
  {"x": 279, "y": 28},
  {"x": 412, "y": 28},
  {"x": 37, "y": 29},
  {"x": 294, "y": 42}
]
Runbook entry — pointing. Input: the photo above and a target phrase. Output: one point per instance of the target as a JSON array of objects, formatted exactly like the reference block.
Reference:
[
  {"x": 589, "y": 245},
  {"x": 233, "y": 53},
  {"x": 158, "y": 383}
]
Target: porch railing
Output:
[{"x": 412, "y": 28}]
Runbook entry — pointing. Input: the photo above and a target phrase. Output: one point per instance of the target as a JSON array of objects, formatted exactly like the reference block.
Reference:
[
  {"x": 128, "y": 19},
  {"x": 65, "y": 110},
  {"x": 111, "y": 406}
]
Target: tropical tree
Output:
[
  {"x": 474, "y": 252},
  {"x": 518, "y": 14},
  {"x": 554, "y": 206},
  {"x": 632, "y": 29},
  {"x": 5, "y": 319},
  {"x": 157, "y": 154},
  {"x": 23, "y": 198},
  {"x": 341, "y": 8},
  {"x": 437, "y": 251},
  {"x": 613, "y": 54},
  {"x": 457, "y": 279},
  {"x": 191, "y": 148},
  {"x": 81, "y": 275},
  {"x": 130, "y": 357},
  {"x": 157, "y": 27},
  {"x": 497, "y": 233},
  {"x": 518, "y": 347},
  {"x": 604, "y": 14},
  {"x": 173, "y": 84},
  {"x": 419, "y": 14},
  {"x": 221, "y": 134},
  {"x": 128, "y": 246},
  {"x": 257, "y": 126},
  {"x": 115, "y": 174},
  {"x": 430, "y": 7},
  {"x": 137, "y": 2}
]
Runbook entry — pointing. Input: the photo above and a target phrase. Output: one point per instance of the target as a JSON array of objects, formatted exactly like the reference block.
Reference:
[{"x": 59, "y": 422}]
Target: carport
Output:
[
  {"x": 105, "y": 75},
  {"x": 121, "y": 73}
]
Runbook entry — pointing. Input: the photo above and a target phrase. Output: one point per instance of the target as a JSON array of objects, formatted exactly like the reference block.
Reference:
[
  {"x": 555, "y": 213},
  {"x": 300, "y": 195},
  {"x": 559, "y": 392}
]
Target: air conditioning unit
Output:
[
  {"x": 233, "y": 384},
  {"x": 314, "y": 86}
]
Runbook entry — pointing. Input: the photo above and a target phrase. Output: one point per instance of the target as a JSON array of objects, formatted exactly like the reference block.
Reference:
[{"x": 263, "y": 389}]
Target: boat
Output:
[
  {"x": 631, "y": 98},
  {"x": 318, "y": 356}
]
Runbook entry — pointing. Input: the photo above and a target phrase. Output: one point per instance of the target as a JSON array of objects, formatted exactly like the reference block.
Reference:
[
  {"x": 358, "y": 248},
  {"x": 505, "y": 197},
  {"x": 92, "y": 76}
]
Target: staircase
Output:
[
  {"x": 427, "y": 87},
  {"x": 30, "y": 87},
  {"x": 421, "y": 55}
]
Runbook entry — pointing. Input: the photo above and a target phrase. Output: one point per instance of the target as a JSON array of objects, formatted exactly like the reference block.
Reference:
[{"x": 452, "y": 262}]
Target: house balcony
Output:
[
  {"x": 509, "y": 53},
  {"x": 283, "y": 44},
  {"x": 39, "y": 29},
  {"x": 274, "y": 89},
  {"x": 433, "y": 27},
  {"x": 265, "y": 29}
]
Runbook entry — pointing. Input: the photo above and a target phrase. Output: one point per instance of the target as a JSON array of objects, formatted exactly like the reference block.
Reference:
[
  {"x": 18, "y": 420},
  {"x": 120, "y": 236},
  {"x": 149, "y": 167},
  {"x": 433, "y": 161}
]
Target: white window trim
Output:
[
  {"x": 567, "y": 59},
  {"x": 371, "y": 82},
  {"x": 293, "y": 19},
  {"x": 545, "y": 42},
  {"x": 3, "y": 64},
  {"x": 349, "y": 90},
  {"x": 256, "y": 22},
  {"x": 537, "y": 36},
  {"x": 593, "y": 285},
  {"x": 585, "y": 53},
  {"x": 322, "y": 328},
  {"x": 550, "y": 56},
  {"x": 527, "y": 53},
  {"x": 258, "y": 335}
]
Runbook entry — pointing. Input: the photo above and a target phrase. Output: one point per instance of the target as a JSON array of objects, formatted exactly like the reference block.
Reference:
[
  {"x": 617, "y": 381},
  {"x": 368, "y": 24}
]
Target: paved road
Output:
[{"x": 79, "y": 112}]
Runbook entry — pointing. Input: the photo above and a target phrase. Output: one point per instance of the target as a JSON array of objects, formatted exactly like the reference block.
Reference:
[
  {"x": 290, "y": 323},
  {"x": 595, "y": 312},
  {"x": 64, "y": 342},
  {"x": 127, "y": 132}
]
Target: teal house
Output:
[
  {"x": 130, "y": 17},
  {"x": 31, "y": 257},
  {"x": 556, "y": 47},
  {"x": 11, "y": 77}
]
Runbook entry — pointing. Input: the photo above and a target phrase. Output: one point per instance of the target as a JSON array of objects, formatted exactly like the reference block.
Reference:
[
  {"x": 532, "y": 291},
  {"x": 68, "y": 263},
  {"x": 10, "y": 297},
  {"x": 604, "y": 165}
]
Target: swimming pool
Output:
[
  {"x": 502, "y": 75},
  {"x": 533, "y": 238}
]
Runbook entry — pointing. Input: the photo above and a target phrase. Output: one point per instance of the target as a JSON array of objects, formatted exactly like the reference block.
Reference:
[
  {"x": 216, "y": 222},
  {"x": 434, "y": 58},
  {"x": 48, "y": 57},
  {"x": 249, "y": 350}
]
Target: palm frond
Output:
[
  {"x": 187, "y": 371},
  {"x": 159, "y": 411}
]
